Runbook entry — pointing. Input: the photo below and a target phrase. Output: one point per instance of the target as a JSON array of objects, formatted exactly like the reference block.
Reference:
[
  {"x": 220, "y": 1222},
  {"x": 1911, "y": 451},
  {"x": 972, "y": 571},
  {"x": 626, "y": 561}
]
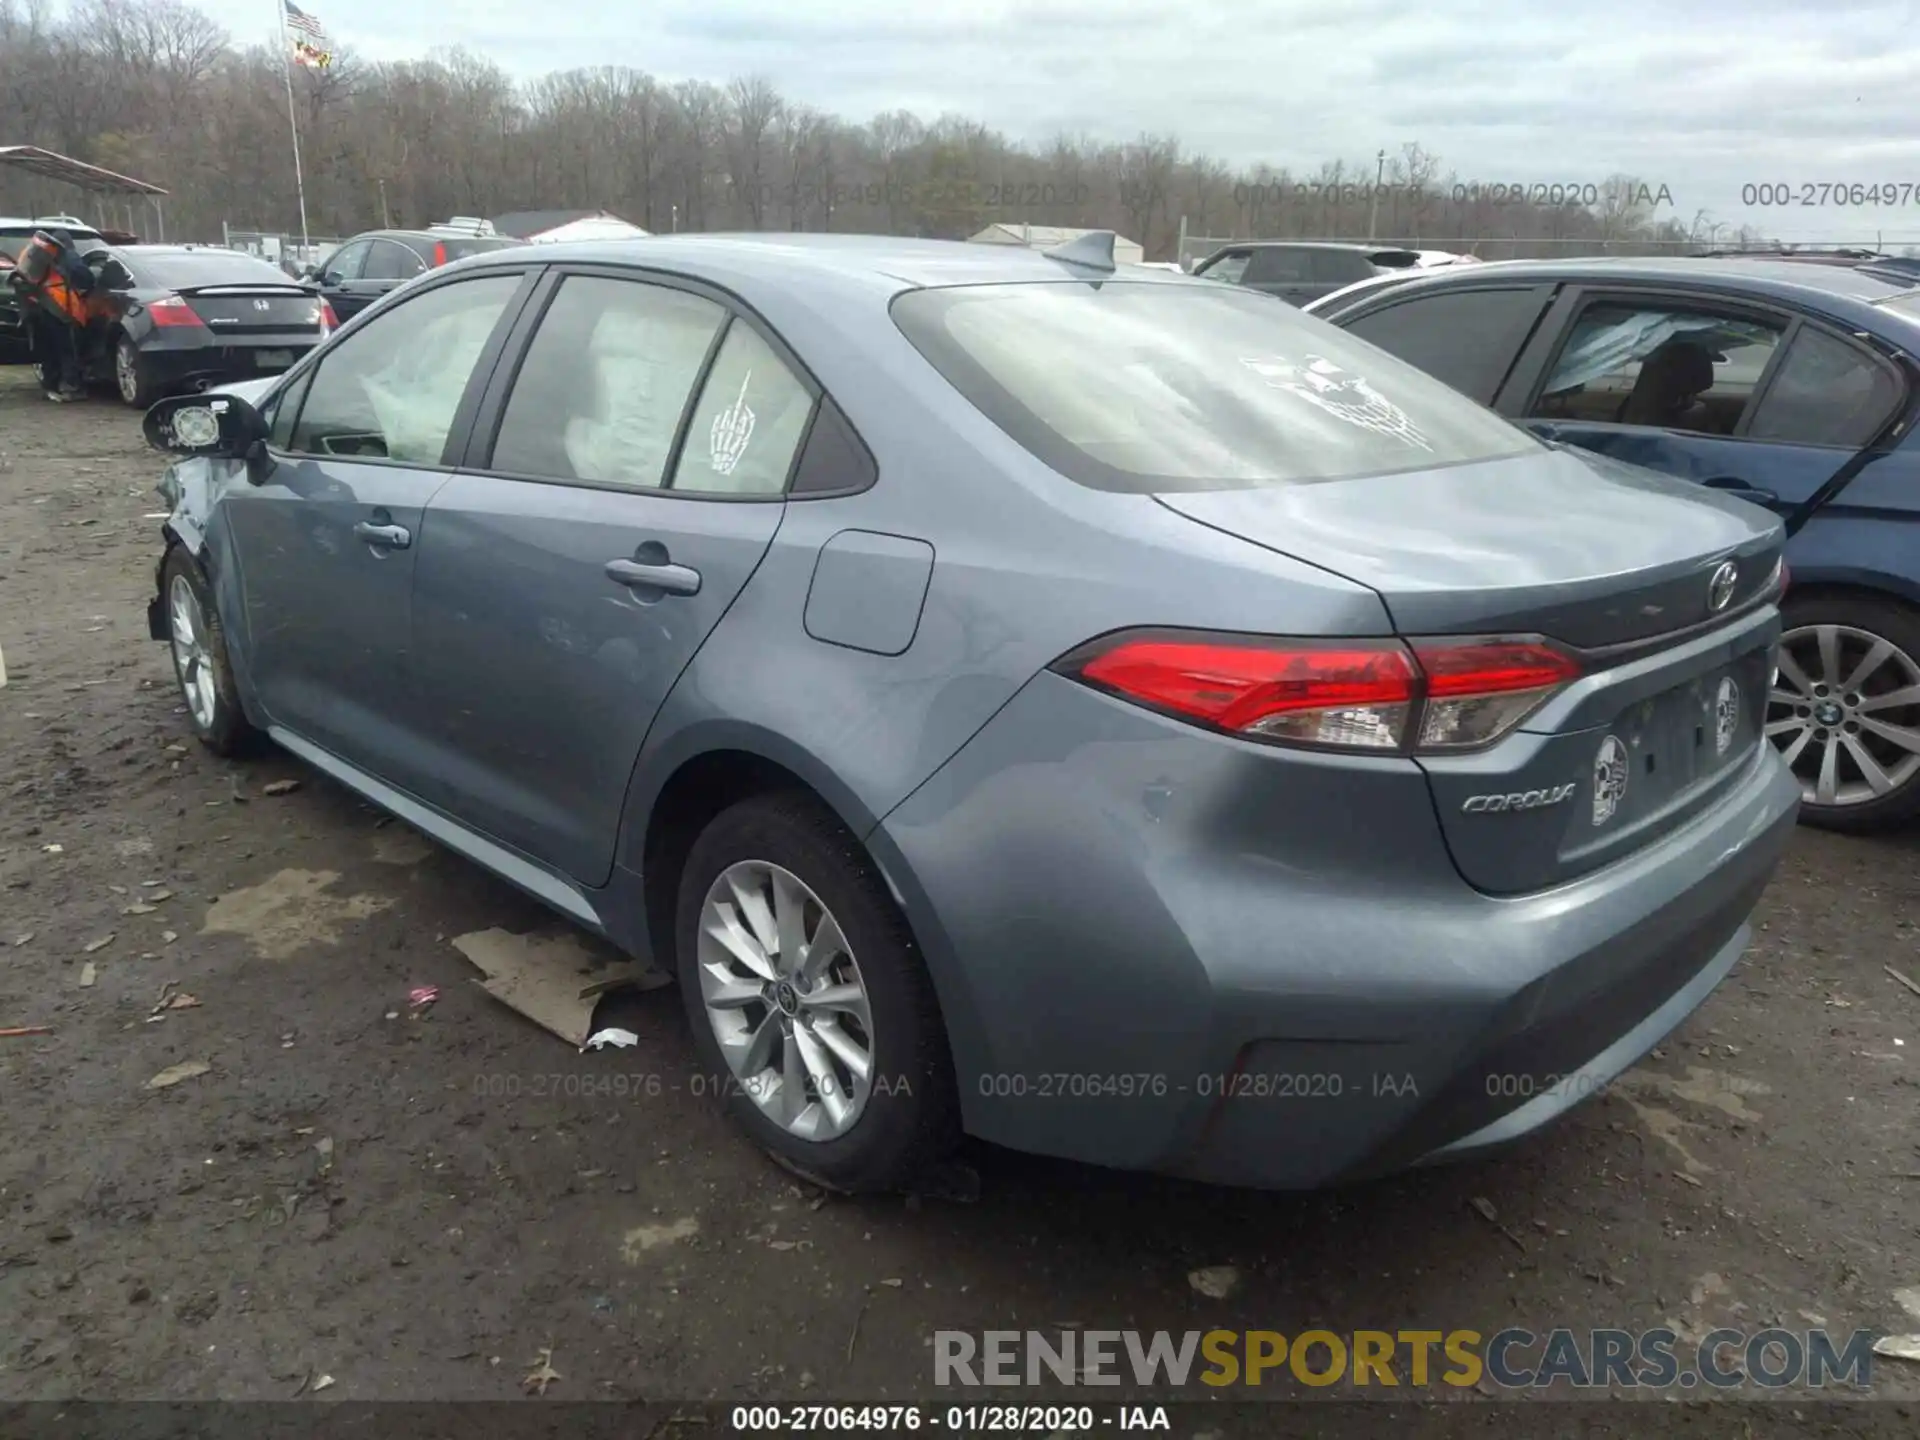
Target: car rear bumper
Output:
[
  {"x": 183, "y": 365},
  {"x": 1161, "y": 949}
]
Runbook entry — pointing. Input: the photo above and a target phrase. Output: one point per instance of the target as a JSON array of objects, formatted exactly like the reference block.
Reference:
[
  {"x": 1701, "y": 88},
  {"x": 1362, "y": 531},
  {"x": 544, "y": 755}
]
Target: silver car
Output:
[{"x": 1103, "y": 712}]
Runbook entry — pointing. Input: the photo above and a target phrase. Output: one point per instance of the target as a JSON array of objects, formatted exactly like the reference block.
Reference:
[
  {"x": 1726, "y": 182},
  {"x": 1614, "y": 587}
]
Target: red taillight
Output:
[
  {"x": 172, "y": 310},
  {"x": 1357, "y": 694},
  {"x": 329, "y": 322},
  {"x": 439, "y": 253},
  {"x": 1786, "y": 577}
]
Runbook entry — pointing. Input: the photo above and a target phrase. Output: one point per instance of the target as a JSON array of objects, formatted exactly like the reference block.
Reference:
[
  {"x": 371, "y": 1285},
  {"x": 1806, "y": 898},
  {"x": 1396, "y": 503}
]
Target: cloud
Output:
[{"x": 1704, "y": 97}]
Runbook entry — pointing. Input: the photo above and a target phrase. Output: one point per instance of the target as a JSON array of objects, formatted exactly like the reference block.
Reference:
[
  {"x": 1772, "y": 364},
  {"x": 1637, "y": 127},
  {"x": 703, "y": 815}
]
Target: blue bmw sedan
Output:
[{"x": 1790, "y": 384}]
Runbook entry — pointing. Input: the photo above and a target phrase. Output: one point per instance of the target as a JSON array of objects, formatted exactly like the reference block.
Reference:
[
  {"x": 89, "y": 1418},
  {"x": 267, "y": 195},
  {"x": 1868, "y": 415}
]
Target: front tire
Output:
[
  {"x": 200, "y": 663},
  {"x": 809, "y": 1004},
  {"x": 1845, "y": 711},
  {"x": 132, "y": 376}
]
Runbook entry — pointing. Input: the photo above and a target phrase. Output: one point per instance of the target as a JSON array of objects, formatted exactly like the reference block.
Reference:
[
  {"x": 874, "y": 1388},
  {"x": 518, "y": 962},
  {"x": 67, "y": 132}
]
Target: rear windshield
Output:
[
  {"x": 187, "y": 270},
  {"x": 1144, "y": 388}
]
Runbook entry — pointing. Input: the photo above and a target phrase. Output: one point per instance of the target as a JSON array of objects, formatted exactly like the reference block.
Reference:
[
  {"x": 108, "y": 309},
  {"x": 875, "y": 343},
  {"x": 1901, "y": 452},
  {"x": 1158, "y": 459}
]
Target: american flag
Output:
[{"x": 298, "y": 19}]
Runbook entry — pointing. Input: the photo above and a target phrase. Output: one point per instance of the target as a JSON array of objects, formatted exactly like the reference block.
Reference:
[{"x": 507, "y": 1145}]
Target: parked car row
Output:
[
  {"x": 183, "y": 317},
  {"x": 1019, "y": 695},
  {"x": 180, "y": 317}
]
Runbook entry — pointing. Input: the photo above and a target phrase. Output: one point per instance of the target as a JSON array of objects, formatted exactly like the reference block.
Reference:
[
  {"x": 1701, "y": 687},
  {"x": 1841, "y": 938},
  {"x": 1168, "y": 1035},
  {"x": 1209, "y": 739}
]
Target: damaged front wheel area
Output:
[{"x": 200, "y": 664}]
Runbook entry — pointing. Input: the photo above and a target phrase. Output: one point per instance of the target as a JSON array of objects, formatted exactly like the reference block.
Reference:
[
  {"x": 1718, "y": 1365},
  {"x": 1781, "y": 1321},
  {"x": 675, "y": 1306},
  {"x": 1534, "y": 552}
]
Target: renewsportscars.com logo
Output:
[{"x": 1513, "y": 1359}]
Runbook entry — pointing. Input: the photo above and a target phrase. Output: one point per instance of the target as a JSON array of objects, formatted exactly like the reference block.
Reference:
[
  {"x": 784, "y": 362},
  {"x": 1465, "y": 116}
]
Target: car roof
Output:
[
  {"x": 1834, "y": 287},
  {"x": 885, "y": 263}
]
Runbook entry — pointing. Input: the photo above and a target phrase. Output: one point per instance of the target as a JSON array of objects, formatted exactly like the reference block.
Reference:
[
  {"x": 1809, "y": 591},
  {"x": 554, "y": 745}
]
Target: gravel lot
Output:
[{"x": 420, "y": 1206}]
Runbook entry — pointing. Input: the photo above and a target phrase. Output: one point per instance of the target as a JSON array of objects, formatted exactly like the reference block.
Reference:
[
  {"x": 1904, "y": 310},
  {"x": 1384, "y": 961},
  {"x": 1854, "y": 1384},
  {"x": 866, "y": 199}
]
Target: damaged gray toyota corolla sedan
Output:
[{"x": 1095, "y": 710}]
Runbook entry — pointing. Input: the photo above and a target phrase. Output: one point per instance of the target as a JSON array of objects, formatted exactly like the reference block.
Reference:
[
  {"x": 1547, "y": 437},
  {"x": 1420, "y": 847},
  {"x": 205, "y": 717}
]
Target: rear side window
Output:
[
  {"x": 600, "y": 394},
  {"x": 1468, "y": 338},
  {"x": 390, "y": 260},
  {"x": 1667, "y": 366},
  {"x": 1827, "y": 393},
  {"x": 1145, "y": 388},
  {"x": 1277, "y": 265},
  {"x": 1339, "y": 267},
  {"x": 750, "y": 420}
]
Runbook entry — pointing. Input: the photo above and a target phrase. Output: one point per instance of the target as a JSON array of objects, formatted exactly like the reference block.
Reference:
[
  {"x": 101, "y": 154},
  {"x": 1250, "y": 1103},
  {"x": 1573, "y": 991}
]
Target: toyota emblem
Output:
[{"x": 1720, "y": 587}]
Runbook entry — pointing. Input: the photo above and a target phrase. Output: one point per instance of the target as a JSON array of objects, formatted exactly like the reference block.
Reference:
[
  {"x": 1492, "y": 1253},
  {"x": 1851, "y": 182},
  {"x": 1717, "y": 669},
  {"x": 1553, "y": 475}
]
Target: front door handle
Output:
[
  {"x": 386, "y": 537},
  {"x": 1740, "y": 490},
  {"x": 673, "y": 579}
]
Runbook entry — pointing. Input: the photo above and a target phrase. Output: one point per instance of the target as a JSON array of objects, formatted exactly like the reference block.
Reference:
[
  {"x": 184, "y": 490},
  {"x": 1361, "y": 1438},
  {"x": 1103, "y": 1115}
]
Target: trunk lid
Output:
[
  {"x": 1613, "y": 562},
  {"x": 255, "y": 309}
]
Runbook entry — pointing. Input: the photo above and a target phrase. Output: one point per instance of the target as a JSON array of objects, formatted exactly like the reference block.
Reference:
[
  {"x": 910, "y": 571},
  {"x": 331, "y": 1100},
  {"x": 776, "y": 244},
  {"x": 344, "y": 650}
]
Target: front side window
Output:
[
  {"x": 749, "y": 423},
  {"x": 1671, "y": 367},
  {"x": 1145, "y": 388},
  {"x": 347, "y": 262},
  {"x": 389, "y": 390},
  {"x": 1827, "y": 393},
  {"x": 600, "y": 394}
]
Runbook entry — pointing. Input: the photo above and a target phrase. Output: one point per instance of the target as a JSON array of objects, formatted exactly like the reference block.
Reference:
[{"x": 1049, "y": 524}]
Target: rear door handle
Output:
[
  {"x": 1733, "y": 485},
  {"x": 387, "y": 537},
  {"x": 674, "y": 579}
]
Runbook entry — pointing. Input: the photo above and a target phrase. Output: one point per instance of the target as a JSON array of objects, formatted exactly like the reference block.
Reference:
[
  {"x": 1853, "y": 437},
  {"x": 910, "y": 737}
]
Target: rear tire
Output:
[
  {"x": 200, "y": 663},
  {"x": 133, "y": 377},
  {"x": 786, "y": 880},
  {"x": 1856, "y": 755}
]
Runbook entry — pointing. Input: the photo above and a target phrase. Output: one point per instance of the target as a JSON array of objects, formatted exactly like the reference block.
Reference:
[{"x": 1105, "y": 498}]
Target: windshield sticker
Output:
[
  {"x": 732, "y": 429},
  {"x": 1340, "y": 393}
]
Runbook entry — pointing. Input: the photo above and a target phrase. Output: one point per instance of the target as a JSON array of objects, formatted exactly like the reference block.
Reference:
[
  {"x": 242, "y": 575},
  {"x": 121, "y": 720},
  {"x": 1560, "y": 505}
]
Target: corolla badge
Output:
[
  {"x": 1726, "y": 715},
  {"x": 1610, "y": 771},
  {"x": 1720, "y": 588}
]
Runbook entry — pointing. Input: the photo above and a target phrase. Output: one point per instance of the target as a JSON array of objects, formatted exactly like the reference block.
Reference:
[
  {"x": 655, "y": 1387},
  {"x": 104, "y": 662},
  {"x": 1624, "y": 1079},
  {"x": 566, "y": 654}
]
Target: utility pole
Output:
[
  {"x": 385, "y": 223},
  {"x": 1373, "y": 208}
]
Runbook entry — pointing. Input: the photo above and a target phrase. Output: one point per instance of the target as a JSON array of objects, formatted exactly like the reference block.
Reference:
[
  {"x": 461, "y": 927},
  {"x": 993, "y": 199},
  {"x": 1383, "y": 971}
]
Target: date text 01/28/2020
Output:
[{"x": 960, "y": 1419}]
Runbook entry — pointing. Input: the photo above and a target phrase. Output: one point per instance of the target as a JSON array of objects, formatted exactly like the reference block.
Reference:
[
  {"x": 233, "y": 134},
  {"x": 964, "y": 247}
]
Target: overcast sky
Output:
[{"x": 1703, "y": 96}]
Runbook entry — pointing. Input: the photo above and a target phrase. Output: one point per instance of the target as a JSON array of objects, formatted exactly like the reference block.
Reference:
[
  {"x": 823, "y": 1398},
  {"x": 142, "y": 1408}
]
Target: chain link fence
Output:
[{"x": 280, "y": 248}]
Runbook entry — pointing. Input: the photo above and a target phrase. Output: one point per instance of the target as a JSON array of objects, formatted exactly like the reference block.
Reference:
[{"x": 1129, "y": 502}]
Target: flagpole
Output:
[{"x": 293, "y": 125}]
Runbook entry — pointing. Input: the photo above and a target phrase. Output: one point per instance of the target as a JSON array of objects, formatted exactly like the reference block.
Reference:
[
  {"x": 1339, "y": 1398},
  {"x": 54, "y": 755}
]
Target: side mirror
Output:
[
  {"x": 327, "y": 277},
  {"x": 223, "y": 426}
]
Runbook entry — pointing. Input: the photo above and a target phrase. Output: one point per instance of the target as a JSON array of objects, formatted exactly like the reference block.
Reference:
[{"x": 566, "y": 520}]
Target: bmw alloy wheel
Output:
[
  {"x": 786, "y": 1000},
  {"x": 1845, "y": 713},
  {"x": 187, "y": 627}
]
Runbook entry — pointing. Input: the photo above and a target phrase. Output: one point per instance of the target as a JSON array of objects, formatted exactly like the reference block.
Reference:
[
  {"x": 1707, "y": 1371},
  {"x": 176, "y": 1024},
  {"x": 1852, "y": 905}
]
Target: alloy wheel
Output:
[
  {"x": 786, "y": 1000},
  {"x": 126, "y": 372},
  {"x": 1845, "y": 712},
  {"x": 193, "y": 661}
]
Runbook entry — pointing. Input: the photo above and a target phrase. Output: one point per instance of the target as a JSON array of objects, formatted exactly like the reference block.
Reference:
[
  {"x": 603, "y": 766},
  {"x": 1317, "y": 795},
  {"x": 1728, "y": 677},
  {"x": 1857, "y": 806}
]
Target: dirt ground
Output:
[{"x": 418, "y": 1206}]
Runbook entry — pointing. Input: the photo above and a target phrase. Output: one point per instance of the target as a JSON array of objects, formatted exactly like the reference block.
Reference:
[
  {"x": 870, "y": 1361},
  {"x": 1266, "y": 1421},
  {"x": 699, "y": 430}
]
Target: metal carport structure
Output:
[{"x": 92, "y": 179}]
